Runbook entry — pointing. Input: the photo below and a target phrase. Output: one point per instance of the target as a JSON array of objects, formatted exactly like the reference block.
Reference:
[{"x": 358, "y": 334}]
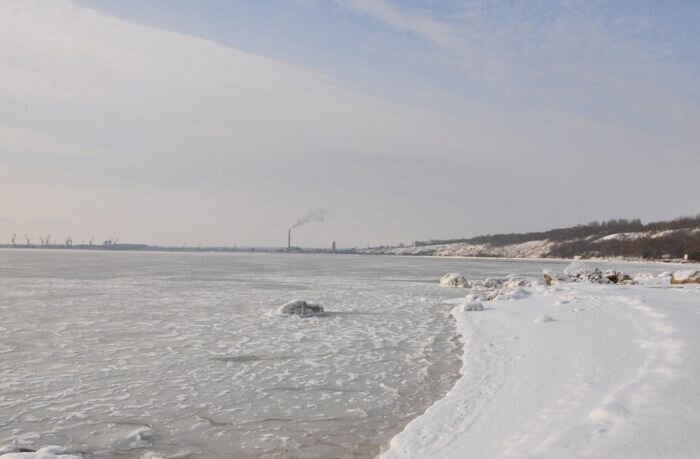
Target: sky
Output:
[{"x": 219, "y": 122}]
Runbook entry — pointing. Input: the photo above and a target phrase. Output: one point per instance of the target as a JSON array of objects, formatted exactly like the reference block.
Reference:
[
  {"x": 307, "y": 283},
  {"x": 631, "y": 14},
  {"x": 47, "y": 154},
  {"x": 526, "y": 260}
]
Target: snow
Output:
[
  {"x": 612, "y": 375},
  {"x": 472, "y": 306},
  {"x": 529, "y": 249},
  {"x": 624, "y": 236},
  {"x": 541, "y": 319}
]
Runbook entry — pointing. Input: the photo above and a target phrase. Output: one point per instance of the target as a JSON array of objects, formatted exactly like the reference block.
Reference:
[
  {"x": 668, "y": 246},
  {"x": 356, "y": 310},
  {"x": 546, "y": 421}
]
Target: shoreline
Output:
[
  {"x": 499, "y": 356},
  {"x": 319, "y": 251}
]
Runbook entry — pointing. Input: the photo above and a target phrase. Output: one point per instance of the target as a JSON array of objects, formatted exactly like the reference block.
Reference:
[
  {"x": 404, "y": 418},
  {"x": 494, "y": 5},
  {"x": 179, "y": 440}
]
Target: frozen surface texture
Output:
[{"x": 136, "y": 355}]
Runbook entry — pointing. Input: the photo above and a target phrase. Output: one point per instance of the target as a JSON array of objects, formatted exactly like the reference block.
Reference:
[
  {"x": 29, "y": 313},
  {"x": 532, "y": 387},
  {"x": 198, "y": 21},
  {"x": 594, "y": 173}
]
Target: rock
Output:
[
  {"x": 686, "y": 277},
  {"x": 453, "y": 280},
  {"x": 301, "y": 308},
  {"x": 548, "y": 278},
  {"x": 472, "y": 306}
]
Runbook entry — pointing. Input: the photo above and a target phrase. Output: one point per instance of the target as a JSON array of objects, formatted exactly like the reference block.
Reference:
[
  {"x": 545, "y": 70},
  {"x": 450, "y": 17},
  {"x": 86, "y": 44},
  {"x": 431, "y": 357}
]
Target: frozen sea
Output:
[{"x": 119, "y": 354}]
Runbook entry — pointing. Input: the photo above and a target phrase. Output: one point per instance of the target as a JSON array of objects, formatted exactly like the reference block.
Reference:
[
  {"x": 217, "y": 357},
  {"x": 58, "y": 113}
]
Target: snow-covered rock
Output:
[
  {"x": 595, "y": 276},
  {"x": 516, "y": 293},
  {"x": 470, "y": 305},
  {"x": 686, "y": 277},
  {"x": 515, "y": 282},
  {"x": 552, "y": 278},
  {"x": 300, "y": 307},
  {"x": 617, "y": 277},
  {"x": 48, "y": 452},
  {"x": 453, "y": 280}
]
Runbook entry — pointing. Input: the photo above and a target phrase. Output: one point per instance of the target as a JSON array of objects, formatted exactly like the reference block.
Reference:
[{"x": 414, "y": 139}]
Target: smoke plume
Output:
[{"x": 313, "y": 215}]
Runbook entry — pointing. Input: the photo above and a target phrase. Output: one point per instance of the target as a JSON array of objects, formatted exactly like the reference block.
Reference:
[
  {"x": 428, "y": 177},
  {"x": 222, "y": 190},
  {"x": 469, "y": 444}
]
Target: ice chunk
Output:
[
  {"x": 300, "y": 307},
  {"x": 142, "y": 437},
  {"x": 152, "y": 455},
  {"x": 453, "y": 280}
]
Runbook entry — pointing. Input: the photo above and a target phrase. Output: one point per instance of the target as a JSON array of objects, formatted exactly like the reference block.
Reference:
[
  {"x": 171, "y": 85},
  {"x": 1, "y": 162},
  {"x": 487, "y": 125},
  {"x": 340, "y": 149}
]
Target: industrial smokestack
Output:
[{"x": 289, "y": 239}]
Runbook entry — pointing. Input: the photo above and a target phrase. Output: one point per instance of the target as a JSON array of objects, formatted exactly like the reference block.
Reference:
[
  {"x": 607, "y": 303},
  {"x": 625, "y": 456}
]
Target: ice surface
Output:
[{"x": 184, "y": 355}]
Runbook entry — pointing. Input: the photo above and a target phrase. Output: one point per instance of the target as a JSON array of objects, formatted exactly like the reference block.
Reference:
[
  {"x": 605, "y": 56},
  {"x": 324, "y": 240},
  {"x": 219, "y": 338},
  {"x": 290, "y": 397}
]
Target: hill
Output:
[{"x": 672, "y": 239}]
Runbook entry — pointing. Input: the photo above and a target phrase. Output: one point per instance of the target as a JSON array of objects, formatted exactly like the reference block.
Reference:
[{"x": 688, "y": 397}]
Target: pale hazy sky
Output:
[{"x": 219, "y": 122}]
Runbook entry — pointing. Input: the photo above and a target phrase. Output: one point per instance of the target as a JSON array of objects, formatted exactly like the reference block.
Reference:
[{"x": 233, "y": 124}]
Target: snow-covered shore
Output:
[{"x": 615, "y": 374}]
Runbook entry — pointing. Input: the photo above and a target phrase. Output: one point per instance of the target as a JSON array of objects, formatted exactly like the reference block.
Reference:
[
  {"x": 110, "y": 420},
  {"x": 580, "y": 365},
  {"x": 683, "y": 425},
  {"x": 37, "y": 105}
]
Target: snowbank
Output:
[{"x": 602, "y": 371}]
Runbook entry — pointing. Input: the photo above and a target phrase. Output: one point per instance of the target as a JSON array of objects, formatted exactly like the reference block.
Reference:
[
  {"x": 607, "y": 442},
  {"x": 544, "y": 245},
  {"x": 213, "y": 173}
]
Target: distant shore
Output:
[{"x": 297, "y": 250}]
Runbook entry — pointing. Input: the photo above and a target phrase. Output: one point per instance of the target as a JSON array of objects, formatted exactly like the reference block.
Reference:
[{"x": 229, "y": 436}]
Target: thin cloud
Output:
[{"x": 415, "y": 22}]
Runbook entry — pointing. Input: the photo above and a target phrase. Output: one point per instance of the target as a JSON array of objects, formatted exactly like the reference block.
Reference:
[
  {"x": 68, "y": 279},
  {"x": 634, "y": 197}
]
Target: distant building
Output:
[{"x": 333, "y": 247}]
